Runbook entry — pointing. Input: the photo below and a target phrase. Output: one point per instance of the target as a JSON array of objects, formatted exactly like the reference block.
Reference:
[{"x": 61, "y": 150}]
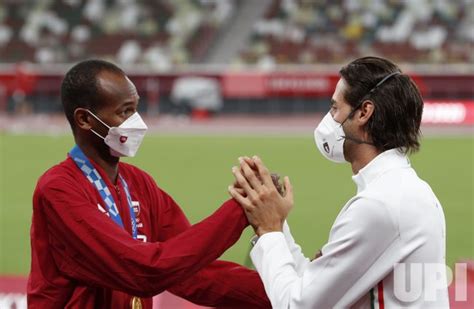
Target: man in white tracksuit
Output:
[{"x": 386, "y": 248}]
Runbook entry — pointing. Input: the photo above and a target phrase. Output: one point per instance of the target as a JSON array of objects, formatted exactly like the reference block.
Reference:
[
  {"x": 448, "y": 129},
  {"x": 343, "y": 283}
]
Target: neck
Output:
[
  {"x": 101, "y": 157},
  {"x": 361, "y": 156}
]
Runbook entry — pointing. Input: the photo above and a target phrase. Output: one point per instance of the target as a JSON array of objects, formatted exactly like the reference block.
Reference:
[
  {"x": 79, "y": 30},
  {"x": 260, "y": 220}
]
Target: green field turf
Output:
[{"x": 197, "y": 170}]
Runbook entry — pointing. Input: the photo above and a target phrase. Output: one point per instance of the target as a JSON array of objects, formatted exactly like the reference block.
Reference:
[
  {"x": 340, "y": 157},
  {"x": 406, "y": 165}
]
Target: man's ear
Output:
[
  {"x": 365, "y": 112},
  {"x": 82, "y": 118}
]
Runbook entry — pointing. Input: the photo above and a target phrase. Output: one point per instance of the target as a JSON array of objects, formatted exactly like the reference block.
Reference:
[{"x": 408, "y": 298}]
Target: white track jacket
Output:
[{"x": 394, "y": 218}]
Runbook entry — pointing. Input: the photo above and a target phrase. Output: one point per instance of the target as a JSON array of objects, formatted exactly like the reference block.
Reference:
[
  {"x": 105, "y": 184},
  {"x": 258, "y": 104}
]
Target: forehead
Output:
[
  {"x": 116, "y": 89},
  {"x": 338, "y": 95}
]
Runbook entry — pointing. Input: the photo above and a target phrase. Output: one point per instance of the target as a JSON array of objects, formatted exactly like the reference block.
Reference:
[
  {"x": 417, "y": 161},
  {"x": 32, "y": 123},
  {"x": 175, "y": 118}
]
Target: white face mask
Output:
[
  {"x": 329, "y": 138},
  {"x": 125, "y": 139}
]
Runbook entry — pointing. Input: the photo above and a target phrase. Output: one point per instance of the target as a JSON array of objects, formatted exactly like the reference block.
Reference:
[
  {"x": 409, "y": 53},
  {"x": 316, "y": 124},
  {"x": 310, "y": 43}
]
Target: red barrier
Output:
[
  {"x": 20, "y": 80},
  {"x": 286, "y": 84},
  {"x": 448, "y": 112},
  {"x": 243, "y": 85},
  {"x": 247, "y": 84},
  {"x": 289, "y": 84}
]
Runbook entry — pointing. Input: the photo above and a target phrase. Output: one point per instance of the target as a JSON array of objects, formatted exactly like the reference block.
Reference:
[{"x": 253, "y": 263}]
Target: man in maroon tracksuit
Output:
[{"x": 104, "y": 235}]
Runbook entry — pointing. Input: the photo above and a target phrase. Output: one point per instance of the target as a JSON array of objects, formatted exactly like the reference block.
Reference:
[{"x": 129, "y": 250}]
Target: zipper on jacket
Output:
[{"x": 119, "y": 196}]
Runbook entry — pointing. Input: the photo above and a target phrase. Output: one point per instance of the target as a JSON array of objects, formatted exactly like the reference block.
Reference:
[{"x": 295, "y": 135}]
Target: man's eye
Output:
[{"x": 128, "y": 111}]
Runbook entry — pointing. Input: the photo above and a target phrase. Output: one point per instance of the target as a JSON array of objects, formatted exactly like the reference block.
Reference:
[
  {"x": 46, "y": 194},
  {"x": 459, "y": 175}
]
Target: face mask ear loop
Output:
[
  {"x": 348, "y": 117},
  {"x": 98, "y": 119},
  {"x": 98, "y": 134},
  {"x": 93, "y": 131},
  {"x": 352, "y": 112}
]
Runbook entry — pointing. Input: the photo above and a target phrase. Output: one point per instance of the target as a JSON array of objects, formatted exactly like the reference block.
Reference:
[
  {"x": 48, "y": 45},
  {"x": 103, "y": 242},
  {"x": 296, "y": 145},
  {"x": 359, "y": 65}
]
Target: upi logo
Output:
[{"x": 429, "y": 281}]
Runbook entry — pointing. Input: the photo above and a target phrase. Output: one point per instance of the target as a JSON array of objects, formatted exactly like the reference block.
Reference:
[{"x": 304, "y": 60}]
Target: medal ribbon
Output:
[{"x": 96, "y": 180}]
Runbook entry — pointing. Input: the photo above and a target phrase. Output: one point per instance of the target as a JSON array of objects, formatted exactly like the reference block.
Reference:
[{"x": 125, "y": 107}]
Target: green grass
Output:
[{"x": 196, "y": 171}]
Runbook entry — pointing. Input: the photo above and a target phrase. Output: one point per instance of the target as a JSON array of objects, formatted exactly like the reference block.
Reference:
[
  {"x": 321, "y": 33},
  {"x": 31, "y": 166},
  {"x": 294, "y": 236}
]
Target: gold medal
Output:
[{"x": 136, "y": 303}]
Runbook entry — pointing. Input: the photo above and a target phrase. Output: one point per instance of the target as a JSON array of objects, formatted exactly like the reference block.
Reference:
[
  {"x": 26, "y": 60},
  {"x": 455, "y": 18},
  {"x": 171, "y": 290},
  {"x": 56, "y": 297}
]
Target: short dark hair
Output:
[
  {"x": 398, "y": 105},
  {"x": 80, "y": 88}
]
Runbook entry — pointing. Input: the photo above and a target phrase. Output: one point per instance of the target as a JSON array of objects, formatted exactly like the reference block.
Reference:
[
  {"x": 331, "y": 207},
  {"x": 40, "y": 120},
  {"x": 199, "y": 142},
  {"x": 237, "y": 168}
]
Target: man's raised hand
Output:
[{"x": 266, "y": 208}]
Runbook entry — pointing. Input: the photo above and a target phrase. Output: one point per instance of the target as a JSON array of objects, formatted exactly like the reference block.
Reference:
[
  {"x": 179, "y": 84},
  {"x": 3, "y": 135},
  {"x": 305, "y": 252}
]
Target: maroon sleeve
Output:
[
  {"x": 94, "y": 250},
  {"x": 219, "y": 284},
  {"x": 224, "y": 284}
]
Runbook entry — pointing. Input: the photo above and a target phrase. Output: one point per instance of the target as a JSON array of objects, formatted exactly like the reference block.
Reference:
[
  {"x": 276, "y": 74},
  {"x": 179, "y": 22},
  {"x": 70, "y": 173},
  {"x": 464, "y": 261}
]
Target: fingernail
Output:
[
  {"x": 241, "y": 159},
  {"x": 234, "y": 168}
]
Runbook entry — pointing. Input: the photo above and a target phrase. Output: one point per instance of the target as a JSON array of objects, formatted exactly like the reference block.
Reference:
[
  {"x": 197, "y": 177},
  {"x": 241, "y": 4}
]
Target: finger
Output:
[
  {"x": 263, "y": 172},
  {"x": 276, "y": 183},
  {"x": 250, "y": 176},
  {"x": 243, "y": 183},
  {"x": 241, "y": 191},
  {"x": 236, "y": 185},
  {"x": 288, "y": 189},
  {"x": 242, "y": 200},
  {"x": 250, "y": 162}
]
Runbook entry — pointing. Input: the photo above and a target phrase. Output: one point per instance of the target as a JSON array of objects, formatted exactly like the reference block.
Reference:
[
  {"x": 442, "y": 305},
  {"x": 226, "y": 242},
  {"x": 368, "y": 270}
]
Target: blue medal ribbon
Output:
[{"x": 96, "y": 180}]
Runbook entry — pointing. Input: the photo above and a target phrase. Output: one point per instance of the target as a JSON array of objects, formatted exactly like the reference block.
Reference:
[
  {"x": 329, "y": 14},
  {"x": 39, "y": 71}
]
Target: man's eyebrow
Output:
[
  {"x": 333, "y": 102},
  {"x": 125, "y": 104},
  {"x": 132, "y": 101}
]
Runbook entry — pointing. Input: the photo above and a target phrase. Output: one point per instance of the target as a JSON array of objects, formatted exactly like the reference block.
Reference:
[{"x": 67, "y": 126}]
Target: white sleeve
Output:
[
  {"x": 301, "y": 262},
  {"x": 357, "y": 243}
]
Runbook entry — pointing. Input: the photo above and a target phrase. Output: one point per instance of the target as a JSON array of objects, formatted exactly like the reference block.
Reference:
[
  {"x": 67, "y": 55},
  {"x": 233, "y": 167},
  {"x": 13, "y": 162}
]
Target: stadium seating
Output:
[
  {"x": 159, "y": 33},
  {"x": 164, "y": 33},
  {"x": 298, "y": 31}
]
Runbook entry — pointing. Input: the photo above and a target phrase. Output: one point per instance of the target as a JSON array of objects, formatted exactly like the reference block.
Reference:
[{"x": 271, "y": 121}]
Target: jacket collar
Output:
[{"x": 387, "y": 160}]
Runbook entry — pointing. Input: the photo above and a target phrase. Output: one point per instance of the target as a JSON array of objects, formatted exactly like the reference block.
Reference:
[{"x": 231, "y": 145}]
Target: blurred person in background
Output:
[
  {"x": 373, "y": 123},
  {"x": 104, "y": 235}
]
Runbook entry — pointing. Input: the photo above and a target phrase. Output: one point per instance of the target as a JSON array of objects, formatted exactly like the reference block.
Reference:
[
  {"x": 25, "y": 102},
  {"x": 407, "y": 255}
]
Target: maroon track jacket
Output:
[{"x": 80, "y": 258}]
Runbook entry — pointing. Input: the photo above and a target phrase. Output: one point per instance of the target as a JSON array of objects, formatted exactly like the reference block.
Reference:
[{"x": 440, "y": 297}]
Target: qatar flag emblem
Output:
[
  {"x": 326, "y": 147},
  {"x": 136, "y": 208},
  {"x": 123, "y": 139}
]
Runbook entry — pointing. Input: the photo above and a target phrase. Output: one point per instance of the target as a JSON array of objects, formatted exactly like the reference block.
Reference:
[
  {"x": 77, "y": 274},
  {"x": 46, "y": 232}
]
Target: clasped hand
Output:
[{"x": 265, "y": 207}]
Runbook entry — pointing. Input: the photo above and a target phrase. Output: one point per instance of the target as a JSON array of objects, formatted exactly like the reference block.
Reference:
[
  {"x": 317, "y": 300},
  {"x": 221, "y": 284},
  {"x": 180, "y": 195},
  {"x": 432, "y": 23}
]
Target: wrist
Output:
[{"x": 259, "y": 231}]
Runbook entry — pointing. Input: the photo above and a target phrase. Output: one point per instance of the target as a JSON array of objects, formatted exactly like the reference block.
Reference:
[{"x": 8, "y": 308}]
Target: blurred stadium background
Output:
[{"x": 220, "y": 79}]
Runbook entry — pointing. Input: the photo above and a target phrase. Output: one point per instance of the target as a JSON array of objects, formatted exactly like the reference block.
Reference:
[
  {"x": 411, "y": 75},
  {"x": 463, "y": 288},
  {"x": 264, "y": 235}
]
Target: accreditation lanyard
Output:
[{"x": 96, "y": 180}]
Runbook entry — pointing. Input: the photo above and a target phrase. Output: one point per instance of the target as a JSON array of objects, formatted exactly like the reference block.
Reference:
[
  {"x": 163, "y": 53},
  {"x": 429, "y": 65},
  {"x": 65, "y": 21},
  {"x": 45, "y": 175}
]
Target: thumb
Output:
[{"x": 288, "y": 189}]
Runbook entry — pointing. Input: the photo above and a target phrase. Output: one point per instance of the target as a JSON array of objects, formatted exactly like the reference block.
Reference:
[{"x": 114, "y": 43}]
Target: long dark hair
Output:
[{"x": 398, "y": 104}]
